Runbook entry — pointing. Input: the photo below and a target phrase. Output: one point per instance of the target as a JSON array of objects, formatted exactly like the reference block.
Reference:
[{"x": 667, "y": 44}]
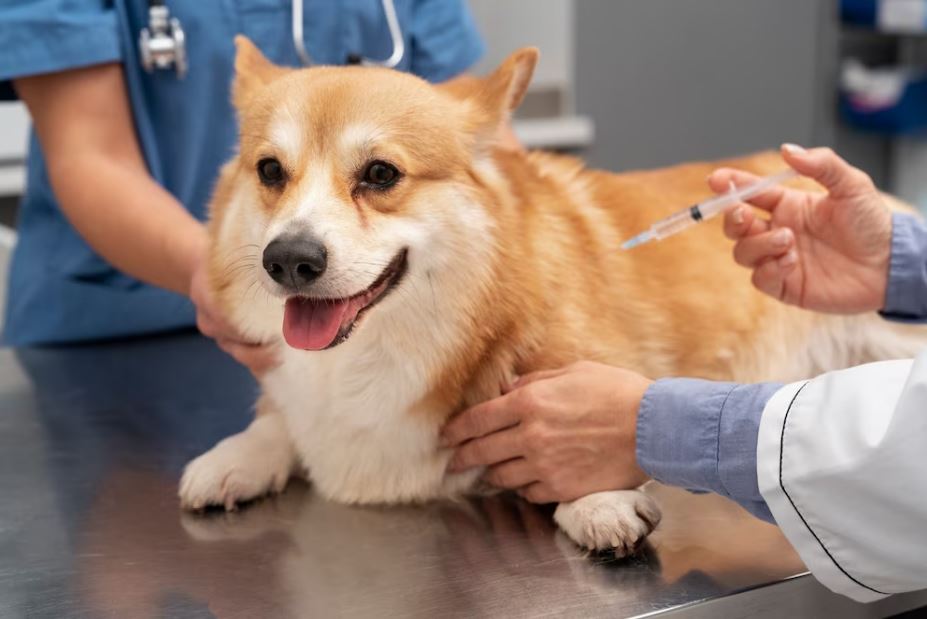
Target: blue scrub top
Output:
[{"x": 60, "y": 290}]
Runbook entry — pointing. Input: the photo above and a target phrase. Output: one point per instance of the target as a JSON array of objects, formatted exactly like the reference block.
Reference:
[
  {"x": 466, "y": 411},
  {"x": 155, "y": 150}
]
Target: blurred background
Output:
[{"x": 642, "y": 83}]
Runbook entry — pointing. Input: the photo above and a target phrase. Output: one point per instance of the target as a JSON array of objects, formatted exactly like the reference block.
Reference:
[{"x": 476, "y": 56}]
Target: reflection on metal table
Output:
[{"x": 92, "y": 443}]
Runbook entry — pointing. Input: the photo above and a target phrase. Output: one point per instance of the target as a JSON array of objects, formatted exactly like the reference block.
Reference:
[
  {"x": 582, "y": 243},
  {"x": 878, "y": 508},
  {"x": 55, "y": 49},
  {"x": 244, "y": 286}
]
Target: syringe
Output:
[{"x": 703, "y": 211}]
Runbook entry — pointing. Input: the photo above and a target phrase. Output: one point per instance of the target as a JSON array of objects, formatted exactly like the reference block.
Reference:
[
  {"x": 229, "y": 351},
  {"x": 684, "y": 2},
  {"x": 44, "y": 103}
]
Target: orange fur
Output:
[
  {"x": 561, "y": 288},
  {"x": 519, "y": 252}
]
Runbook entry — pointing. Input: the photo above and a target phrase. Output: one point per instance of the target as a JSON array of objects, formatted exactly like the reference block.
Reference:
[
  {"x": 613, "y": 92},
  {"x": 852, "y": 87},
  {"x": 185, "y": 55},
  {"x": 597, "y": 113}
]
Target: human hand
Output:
[
  {"x": 255, "y": 356},
  {"x": 827, "y": 252},
  {"x": 555, "y": 435}
]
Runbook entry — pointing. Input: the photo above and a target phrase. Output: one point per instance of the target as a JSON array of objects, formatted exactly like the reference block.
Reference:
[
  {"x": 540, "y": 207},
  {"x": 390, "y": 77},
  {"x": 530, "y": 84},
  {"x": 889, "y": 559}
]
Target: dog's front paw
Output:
[
  {"x": 620, "y": 520},
  {"x": 240, "y": 468}
]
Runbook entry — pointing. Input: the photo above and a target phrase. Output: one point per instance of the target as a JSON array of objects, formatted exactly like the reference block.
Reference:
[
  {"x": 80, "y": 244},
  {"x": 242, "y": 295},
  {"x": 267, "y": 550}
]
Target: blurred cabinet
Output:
[
  {"x": 891, "y": 33},
  {"x": 669, "y": 81}
]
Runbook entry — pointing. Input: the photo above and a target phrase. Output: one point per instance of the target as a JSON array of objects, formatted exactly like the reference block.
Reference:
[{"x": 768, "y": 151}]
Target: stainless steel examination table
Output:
[{"x": 93, "y": 440}]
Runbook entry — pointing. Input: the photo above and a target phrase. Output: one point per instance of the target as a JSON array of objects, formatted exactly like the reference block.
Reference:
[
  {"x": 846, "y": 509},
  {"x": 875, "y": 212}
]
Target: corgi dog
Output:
[{"x": 408, "y": 267}]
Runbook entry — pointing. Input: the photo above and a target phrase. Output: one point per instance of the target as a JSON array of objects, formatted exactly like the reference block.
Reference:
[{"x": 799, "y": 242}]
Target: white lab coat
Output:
[{"x": 842, "y": 465}]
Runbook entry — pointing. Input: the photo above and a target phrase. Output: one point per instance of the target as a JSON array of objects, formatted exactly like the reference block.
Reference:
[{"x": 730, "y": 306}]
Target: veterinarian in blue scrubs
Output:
[
  {"x": 837, "y": 461},
  {"x": 122, "y": 161}
]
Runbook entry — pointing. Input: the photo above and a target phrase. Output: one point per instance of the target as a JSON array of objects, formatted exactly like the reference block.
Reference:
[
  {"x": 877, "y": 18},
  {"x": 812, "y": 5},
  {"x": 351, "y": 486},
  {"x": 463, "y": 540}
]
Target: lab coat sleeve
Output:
[
  {"x": 43, "y": 36},
  {"x": 840, "y": 463},
  {"x": 445, "y": 41}
]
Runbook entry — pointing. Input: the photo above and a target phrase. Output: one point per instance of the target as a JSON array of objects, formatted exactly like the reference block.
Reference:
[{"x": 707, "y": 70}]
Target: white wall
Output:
[
  {"x": 547, "y": 24},
  {"x": 547, "y": 118}
]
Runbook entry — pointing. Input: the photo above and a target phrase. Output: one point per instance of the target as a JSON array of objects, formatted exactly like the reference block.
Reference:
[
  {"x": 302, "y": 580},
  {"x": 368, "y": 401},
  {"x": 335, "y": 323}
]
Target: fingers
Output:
[
  {"x": 772, "y": 276},
  {"x": 826, "y": 167},
  {"x": 206, "y": 325},
  {"x": 753, "y": 250},
  {"x": 480, "y": 420},
  {"x": 527, "y": 379},
  {"x": 257, "y": 358},
  {"x": 742, "y": 221},
  {"x": 486, "y": 450},
  {"x": 537, "y": 493},
  {"x": 218, "y": 328},
  {"x": 720, "y": 182},
  {"x": 511, "y": 474}
]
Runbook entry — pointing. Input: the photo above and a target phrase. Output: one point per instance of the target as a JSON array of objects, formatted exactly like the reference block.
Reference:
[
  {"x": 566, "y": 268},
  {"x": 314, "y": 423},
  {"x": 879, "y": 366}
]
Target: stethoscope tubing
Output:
[
  {"x": 392, "y": 22},
  {"x": 178, "y": 58}
]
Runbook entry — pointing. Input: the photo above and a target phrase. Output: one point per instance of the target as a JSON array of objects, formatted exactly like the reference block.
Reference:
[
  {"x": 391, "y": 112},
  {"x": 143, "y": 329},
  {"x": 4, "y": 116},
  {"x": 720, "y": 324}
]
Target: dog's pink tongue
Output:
[{"x": 312, "y": 325}]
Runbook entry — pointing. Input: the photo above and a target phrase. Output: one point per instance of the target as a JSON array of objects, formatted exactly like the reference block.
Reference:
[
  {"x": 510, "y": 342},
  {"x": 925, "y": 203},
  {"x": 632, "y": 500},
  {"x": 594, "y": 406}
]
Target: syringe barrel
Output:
[{"x": 675, "y": 223}]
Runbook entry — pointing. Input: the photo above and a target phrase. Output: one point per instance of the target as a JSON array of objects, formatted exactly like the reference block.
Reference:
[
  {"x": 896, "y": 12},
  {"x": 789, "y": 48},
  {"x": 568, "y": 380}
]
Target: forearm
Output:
[
  {"x": 97, "y": 171},
  {"x": 129, "y": 219}
]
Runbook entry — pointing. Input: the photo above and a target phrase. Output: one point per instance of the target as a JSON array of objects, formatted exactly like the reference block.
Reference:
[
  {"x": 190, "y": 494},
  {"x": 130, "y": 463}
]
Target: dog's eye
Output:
[
  {"x": 271, "y": 172},
  {"x": 380, "y": 174}
]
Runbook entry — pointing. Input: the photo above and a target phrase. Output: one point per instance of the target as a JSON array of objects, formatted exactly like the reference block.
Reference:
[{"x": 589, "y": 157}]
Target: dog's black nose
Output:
[{"x": 295, "y": 260}]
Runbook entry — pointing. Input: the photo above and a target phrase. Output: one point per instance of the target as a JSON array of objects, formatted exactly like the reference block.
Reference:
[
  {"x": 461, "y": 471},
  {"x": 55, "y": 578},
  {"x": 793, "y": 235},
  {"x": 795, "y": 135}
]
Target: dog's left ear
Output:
[
  {"x": 253, "y": 70},
  {"x": 504, "y": 90},
  {"x": 499, "y": 94}
]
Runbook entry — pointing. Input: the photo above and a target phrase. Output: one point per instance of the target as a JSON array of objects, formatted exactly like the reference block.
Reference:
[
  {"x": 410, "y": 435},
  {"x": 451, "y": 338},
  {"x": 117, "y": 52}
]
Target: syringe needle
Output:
[{"x": 640, "y": 239}]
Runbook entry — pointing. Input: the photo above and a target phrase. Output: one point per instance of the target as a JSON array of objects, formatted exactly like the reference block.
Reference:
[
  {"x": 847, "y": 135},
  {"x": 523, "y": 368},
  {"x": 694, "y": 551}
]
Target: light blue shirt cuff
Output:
[
  {"x": 702, "y": 435},
  {"x": 906, "y": 293}
]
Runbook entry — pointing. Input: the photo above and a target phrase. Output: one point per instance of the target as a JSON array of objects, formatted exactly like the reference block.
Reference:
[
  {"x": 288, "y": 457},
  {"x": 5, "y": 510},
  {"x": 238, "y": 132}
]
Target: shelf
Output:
[
  {"x": 565, "y": 132},
  {"x": 862, "y": 31},
  {"x": 12, "y": 179}
]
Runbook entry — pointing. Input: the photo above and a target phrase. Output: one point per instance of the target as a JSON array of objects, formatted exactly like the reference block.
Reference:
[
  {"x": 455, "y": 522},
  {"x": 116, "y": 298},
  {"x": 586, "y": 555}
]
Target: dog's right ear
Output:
[
  {"x": 253, "y": 70},
  {"x": 493, "y": 98}
]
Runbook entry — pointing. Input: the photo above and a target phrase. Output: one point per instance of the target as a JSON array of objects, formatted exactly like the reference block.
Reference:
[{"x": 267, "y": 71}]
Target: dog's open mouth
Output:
[{"x": 311, "y": 323}]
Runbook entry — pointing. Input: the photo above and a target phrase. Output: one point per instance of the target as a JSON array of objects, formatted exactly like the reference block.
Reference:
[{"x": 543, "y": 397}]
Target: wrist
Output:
[{"x": 641, "y": 387}]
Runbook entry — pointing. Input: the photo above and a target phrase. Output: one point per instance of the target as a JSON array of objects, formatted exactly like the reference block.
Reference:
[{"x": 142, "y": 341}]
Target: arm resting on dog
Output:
[{"x": 84, "y": 122}]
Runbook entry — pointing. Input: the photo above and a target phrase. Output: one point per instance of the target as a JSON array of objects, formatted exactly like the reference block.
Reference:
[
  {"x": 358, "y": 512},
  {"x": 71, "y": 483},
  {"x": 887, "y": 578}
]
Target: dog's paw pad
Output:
[{"x": 618, "y": 520}]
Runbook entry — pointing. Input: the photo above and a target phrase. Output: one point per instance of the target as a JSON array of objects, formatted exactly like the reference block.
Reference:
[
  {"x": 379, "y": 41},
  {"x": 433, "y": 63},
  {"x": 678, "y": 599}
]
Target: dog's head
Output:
[{"x": 351, "y": 185}]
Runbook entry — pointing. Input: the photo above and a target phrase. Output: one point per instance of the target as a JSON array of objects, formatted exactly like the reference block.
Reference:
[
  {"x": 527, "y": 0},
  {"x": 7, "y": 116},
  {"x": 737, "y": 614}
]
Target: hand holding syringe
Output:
[{"x": 703, "y": 211}]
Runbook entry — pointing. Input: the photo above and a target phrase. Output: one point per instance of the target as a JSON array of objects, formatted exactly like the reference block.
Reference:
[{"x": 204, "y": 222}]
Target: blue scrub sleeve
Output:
[
  {"x": 445, "y": 40},
  {"x": 44, "y": 36}
]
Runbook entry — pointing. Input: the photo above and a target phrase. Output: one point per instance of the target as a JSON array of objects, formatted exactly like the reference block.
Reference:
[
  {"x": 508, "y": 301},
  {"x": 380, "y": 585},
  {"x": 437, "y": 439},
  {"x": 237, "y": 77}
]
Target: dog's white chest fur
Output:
[{"x": 351, "y": 418}]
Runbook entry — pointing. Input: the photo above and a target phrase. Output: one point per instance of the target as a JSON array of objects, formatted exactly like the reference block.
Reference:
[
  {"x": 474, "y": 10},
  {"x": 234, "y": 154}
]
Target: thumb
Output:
[{"x": 826, "y": 167}]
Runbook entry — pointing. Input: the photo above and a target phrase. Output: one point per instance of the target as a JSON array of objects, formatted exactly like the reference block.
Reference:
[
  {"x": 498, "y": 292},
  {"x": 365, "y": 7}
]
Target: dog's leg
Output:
[
  {"x": 242, "y": 467},
  {"x": 620, "y": 519}
]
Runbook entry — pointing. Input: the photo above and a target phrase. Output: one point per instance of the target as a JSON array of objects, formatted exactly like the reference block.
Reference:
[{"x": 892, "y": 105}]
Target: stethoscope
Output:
[{"x": 162, "y": 45}]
